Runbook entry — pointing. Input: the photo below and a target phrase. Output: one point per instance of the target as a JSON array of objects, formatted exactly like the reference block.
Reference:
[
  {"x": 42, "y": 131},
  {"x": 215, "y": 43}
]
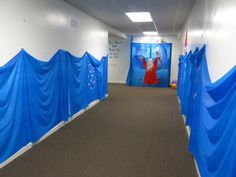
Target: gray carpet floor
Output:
[{"x": 136, "y": 132}]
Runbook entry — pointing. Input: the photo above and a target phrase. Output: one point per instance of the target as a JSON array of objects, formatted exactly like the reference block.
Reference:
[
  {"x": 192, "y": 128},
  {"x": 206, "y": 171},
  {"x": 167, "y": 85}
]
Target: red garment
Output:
[{"x": 150, "y": 75}]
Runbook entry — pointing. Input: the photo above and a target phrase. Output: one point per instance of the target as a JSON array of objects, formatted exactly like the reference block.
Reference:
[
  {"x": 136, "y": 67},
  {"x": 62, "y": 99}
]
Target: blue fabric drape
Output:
[
  {"x": 211, "y": 115},
  {"x": 37, "y": 95}
]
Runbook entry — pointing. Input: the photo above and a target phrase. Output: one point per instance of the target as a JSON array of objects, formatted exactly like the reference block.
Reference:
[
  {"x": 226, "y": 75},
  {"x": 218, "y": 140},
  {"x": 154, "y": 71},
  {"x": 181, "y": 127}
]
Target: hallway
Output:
[{"x": 135, "y": 132}]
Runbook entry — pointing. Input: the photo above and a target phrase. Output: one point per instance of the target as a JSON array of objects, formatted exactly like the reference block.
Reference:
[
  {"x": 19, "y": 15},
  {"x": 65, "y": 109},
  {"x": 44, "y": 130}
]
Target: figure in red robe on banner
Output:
[{"x": 150, "y": 77}]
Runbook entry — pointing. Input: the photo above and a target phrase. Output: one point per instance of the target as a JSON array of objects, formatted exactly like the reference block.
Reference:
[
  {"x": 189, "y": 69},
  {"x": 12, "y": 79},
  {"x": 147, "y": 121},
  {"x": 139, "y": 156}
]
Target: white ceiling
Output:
[{"x": 169, "y": 15}]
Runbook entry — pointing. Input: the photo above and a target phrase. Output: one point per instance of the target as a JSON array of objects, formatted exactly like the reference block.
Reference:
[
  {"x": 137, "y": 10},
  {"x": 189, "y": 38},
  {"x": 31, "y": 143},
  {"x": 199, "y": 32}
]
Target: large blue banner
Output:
[
  {"x": 210, "y": 111},
  {"x": 37, "y": 95},
  {"x": 150, "y": 65}
]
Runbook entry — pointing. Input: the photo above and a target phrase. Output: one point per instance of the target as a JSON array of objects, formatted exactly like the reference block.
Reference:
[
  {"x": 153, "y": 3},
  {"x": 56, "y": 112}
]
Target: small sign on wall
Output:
[
  {"x": 114, "y": 49},
  {"x": 74, "y": 23}
]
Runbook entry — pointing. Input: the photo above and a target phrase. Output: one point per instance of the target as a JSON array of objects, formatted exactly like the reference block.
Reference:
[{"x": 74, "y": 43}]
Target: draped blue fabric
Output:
[
  {"x": 211, "y": 115},
  {"x": 88, "y": 80},
  {"x": 180, "y": 75},
  {"x": 184, "y": 62},
  {"x": 37, "y": 95}
]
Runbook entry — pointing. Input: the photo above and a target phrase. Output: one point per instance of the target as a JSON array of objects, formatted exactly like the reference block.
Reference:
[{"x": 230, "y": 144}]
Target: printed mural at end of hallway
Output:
[{"x": 150, "y": 65}]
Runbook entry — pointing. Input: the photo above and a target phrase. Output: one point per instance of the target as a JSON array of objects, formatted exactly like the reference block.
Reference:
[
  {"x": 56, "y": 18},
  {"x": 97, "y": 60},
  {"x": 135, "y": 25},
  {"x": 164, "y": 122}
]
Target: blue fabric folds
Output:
[
  {"x": 210, "y": 110},
  {"x": 37, "y": 95}
]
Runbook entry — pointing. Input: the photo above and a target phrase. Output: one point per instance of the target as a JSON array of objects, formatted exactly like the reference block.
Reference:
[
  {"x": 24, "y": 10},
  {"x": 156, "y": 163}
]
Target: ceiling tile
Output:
[{"x": 164, "y": 13}]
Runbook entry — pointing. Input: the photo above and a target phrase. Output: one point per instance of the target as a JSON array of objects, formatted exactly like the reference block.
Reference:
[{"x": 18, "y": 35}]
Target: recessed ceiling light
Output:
[
  {"x": 150, "y": 33},
  {"x": 139, "y": 16}
]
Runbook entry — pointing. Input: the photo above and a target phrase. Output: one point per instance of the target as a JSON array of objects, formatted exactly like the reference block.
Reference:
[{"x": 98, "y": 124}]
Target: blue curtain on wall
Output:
[
  {"x": 37, "y": 95},
  {"x": 210, "y": 110}
]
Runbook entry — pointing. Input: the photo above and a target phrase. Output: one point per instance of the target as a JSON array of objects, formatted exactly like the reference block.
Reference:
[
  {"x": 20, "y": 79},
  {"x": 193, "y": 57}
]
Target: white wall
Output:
[
  {"x": 42, "y": 27},
  {"x": 118, "y": 68},
  {"x": 213, "y": 22},
  {"x": 176, "y": 50}
]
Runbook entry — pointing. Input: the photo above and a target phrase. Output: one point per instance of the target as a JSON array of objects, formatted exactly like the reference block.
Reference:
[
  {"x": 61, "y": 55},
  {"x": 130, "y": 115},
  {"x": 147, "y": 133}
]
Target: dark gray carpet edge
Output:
[{"x": 135, "y": 132}]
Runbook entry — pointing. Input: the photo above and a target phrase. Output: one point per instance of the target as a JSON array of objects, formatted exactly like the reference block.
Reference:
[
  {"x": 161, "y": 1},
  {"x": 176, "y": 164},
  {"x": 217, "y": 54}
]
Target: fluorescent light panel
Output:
[
  {"x": 139, "y": 16},
  {"x": 150, "y": 33}
]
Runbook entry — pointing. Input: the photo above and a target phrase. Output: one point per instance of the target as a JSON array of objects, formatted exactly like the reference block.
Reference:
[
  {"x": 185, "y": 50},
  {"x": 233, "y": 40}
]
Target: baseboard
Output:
[
  {"x": 196, "y": 166},
  {"x": 50, "y": 132},
  {"x": 117, "y": 82},
  {"x": 187, "y": 128},
  {"x": 17, "y": 154},
  {"x": 188, "y": 133}
]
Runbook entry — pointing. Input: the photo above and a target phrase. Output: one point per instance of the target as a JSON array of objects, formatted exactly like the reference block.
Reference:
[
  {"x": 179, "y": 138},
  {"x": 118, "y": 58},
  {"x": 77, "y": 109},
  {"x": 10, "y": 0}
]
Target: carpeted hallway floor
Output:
[{"x": 136, "y": 132}]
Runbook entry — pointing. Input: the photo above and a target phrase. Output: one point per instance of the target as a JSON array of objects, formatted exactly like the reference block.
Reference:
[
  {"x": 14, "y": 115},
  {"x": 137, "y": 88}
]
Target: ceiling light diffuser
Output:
[
  {"x": 139, "y": 16},
  {"x": 150, "y": 33}
]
